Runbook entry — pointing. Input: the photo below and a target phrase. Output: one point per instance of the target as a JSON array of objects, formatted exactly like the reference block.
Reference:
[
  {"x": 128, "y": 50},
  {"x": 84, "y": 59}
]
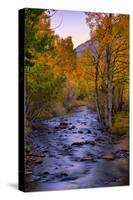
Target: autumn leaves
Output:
[
  {"x": 111, "y": 33},
  {"x": 57, "y": 78}
]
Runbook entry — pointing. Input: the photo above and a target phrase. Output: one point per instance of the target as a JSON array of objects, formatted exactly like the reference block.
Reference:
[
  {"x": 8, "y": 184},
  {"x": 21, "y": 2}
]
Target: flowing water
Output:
[{"x": 78, "y": 154}]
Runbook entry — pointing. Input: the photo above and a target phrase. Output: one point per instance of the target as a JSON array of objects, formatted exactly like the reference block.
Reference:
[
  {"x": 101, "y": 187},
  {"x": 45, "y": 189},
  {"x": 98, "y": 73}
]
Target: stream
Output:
[{"x": 76, "y": 153}]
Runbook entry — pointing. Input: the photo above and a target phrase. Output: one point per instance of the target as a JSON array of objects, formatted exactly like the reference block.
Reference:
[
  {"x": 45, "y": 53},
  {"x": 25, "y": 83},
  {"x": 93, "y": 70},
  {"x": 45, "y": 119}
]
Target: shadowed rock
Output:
[
  {"x": 122, "y": 154},
  {"x": 62, "y": 125},
  {"x": 72, "y": 127},
  {"x": 102, "y": 138},
  {"x": 87, "y": 158},
  {"x": 91, "y": 142},
  {"x": 109, "y": 156}
]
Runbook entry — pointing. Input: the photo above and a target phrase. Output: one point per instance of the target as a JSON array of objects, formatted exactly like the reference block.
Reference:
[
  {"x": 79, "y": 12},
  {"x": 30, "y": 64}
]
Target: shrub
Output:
[{"x": 120, "y": 123}]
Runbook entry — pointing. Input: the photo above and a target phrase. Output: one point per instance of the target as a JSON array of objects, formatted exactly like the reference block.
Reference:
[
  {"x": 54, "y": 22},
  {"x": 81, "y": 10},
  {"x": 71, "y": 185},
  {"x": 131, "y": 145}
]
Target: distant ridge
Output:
[{"x": 89, "y": 44}]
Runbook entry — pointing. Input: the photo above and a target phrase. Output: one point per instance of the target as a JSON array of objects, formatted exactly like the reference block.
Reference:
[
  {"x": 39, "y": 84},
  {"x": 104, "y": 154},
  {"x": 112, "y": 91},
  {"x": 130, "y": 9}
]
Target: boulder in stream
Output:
[
  {"x": 87, "y": 158},
  {"x": 91, "y": 142},
  {"x": 102, "y": 138},
  {"x": 109, "y": 156},
  {"x": 62, "y": 125}
]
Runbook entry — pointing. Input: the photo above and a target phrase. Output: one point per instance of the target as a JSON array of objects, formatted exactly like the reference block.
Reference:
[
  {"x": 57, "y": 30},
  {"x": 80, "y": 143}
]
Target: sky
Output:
[{"x": 73, "y": 24}]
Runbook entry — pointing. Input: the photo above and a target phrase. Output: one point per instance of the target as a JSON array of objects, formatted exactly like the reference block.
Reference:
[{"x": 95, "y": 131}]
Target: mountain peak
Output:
[{"x": 89, "y": 44}]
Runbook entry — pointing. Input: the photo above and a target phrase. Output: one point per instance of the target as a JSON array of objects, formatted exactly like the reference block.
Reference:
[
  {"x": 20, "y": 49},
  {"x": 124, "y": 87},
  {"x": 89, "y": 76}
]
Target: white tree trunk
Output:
[
  {"x": 109, "y": 86},
  {"x": 97, "y": 96}
]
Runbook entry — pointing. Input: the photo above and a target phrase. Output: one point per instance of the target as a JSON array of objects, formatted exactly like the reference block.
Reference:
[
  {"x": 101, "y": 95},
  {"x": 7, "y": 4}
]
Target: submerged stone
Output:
[{"x": 87, "y": 158}]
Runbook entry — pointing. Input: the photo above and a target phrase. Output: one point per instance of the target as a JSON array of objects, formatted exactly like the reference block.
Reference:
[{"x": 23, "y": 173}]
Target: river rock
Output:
[
  {"x": 108, "y": 156},
  {"x": 99, "y": 129},
  {"x": 45, "y": 173},
  {"x": 91, "y": 142},
  {"x": 72, "y": 127},
  {"x": 63, "y": 174},
  {"x": 36, "y": 178},
  {"x": 39, "y": 127},
  {"x": 74, "y": 132},
  {"x": 122, "y": 154},
  {"x": 80, "y": 131},
  {"x": 56, "y": 168},
  {"x": 101, "y": 138},
  {"x": 28, "y": 173},
  {"x": 39, "y": 161},
  {"x": 84, "y": 123},
  {"x": 63, "y": 125},
  {"x": 87, "y": 158},
  {"x": 44, "y": 151},
  {"x": 79, "y": 143},
  {"x": 83, "y": 130},
  {"x": 49, "y": 132}
]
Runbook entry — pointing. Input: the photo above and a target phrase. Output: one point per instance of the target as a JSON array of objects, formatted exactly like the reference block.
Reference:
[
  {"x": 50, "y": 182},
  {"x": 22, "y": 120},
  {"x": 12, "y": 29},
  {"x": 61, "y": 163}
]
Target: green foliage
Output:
[
  {"x": 120, "y": 123},
  {"x": 26, "y": 148},
  {"x": 45, "y": 44},
  {"x": 42, "y": 87},
  {"x": 44, "y": 115},
  {"x": 31, "y": 19}
]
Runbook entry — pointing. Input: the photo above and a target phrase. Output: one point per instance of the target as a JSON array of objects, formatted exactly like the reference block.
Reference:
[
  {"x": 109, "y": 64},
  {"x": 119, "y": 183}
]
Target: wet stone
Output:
[
  {"x": 56, "y": 168},
  {"x": 28, "y": 173},
  {"x": 122, "y": 154},
  {"x": 46, "y": 173},
  {"x": 36, "y": 178},
  {"x": 108, "y": 156},
  {"x": 87, "y": 158},
  {"x": 72, "y": 127},
  {"x": 84, "y": 123},
  {"x": 49, "y": 132},
  {"x": 51, "y": 156},
  {"x": 62, "y": 125},
  {"x": 99, "y": 129},
  {"x": 64, "y": 174},
  {"x": 92, "y": 143},
  {"x": 67, "y": 148},
  {"x": 83, "y": 130},
  {"x": 80, "y": 131},
  {"x": 102, "y": 138},
  {"x": 44, "y": 151},
  {"x": 39, "y": 161},
  {"x": 83, "y": 143}
]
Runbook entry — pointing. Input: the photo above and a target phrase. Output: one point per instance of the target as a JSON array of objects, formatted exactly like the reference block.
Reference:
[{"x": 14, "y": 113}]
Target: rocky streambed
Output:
[{"x": 73, "y": 152}]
